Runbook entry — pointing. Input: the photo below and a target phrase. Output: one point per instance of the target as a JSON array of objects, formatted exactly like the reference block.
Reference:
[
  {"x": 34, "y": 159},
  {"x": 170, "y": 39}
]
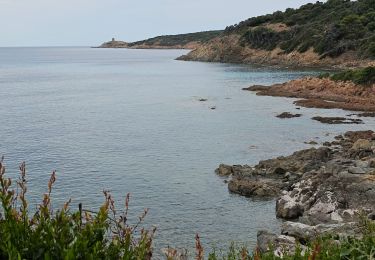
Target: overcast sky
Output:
[{"x": 91, "y": 22}]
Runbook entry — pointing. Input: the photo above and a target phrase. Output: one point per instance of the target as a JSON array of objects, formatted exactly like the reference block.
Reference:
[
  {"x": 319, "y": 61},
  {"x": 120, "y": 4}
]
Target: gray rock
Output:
[
  {"x": 362, "y": 144},
  {"x": 362, "y": 164},
  {"x": 224, "y": 170},
  {"x": 278, "y": 243},
  {"x": 356, "y": 170},
  {"x": 304, "y": 232},
  {"x": 264, "y": 240}
]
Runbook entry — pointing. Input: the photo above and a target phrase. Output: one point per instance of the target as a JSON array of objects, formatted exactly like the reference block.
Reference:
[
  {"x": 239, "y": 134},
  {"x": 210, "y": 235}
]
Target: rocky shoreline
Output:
[
  {"x": 317, "y": 190},
  {"x": 323, "y": 93}
]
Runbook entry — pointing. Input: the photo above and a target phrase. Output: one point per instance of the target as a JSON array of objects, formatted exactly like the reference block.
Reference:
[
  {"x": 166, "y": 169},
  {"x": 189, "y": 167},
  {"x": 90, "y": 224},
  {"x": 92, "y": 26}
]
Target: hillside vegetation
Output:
[
  {"x": 364, "y": 76},
  {"x": 313, "y": 32},
  {"x": 330, "y": 28},
  {"x": 180, "y": 39}
]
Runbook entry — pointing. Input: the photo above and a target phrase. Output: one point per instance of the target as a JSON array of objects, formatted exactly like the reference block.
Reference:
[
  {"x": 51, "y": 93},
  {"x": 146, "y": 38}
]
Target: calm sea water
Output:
[{"x": 130, "y": 121}]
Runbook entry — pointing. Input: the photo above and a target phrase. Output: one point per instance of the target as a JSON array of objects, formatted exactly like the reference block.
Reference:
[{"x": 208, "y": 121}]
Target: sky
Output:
[{"x": 91, "y": 22}]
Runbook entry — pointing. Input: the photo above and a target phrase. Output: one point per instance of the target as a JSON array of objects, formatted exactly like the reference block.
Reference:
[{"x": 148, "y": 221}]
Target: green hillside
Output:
[
  {"x": 330, "y": 28},
  {"x": 180, "y": 39}
]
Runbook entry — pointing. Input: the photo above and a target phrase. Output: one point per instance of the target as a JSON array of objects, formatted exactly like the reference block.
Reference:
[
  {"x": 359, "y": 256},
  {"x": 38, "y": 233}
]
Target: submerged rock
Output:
[
  {"x": 288, "y": 115},
  {"x": 337, "y": 120}
]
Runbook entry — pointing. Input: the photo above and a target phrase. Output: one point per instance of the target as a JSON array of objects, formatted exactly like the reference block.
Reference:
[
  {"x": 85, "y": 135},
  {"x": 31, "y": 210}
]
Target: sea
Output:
[{"x": 141, "y": 122}]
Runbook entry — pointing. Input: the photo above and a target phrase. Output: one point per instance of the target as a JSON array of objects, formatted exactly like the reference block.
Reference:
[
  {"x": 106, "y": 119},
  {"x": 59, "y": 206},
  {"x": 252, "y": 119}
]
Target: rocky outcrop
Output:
[
  {"x": 337, "y": 120},
  {"x": 270, "y": 177},
  {"x": 322, "y": 190},
  {"x": 323, "y": 93},
  {"x": 114, "y": 44}
]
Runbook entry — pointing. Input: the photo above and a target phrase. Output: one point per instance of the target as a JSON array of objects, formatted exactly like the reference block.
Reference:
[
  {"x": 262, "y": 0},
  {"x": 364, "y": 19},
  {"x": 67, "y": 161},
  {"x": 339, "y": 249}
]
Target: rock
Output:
[
  {"x": 355, "y": 135},
  {"x": 322, "y": 93},
  {"x": 337, "y": 120},
  {"x": 356, "y": 170},
  {"x": 224, "y": 170},
  {"x": 287, "y": 208},
  {"x": 279, "y": 171},
  {"x": 303, "y": 232},
  {"x": 264, "y": 240},
  {"x": 362, "y": 164},
  {"x": 258, "y": 188},
  {"x": 362, "y": 144},
  {"x": 323, "y": 189},
  {"x": 365, "y": 114},
  {"x": 311, "y": 143},
  {"x": 288, "y": 115},
  {"x": 292, "y": 204},
  {"x": 279, "y": 243}
]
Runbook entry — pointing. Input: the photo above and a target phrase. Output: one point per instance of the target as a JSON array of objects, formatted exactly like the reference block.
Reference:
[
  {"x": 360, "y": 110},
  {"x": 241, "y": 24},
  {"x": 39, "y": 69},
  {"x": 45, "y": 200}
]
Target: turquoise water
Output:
[{"x": 131, "y": 121}]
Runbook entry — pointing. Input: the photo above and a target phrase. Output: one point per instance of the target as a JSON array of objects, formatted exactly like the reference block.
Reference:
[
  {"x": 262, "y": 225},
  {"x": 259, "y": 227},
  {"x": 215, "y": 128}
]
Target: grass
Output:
[{"x": 83, "y": 234}]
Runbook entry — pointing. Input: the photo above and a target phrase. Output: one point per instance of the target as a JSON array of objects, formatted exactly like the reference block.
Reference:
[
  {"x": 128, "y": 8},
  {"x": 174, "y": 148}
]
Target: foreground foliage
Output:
[
  {"x": 83, "y": 234},
  {"x": 63, "y": 234}
]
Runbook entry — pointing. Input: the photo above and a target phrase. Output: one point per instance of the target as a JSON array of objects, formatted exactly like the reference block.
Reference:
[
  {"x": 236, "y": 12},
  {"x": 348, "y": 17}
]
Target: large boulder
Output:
[
  {"x": 303, "y": 232},
  {"x": 267, "y": 241},
  {"x": 255, "y": 187},
  {"x": 224, "y": 170}
]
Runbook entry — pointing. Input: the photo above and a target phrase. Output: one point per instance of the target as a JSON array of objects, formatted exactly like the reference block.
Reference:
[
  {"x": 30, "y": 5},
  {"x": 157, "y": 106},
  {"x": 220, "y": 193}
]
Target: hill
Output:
[
  {"x": 336, "y": 33},
  {"x": 180, "y": 41}
]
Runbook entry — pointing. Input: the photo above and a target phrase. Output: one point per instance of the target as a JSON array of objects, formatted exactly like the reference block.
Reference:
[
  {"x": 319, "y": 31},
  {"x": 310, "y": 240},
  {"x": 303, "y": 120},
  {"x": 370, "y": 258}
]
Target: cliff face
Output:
[{"x": 228, "y": 49}]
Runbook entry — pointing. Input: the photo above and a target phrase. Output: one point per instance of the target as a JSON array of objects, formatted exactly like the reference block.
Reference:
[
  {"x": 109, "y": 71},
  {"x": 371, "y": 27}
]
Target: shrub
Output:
[
  {"x": 261, "y": 37},
  {"x": 66, "y": 234},
  {"x": 365, "y": 76}
]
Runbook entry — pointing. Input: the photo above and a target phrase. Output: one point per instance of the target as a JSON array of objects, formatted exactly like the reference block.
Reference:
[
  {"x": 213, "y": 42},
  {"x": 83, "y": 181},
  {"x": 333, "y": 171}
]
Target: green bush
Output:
[
  {"x": 64, "y": 234},
  {"x": 261, "y": 37},
  {"x": 365, "y": 76}
]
